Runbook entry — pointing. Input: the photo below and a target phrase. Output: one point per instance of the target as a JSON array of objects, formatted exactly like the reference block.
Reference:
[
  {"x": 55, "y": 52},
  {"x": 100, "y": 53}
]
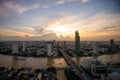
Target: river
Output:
[{"x": 11, "y": 61}]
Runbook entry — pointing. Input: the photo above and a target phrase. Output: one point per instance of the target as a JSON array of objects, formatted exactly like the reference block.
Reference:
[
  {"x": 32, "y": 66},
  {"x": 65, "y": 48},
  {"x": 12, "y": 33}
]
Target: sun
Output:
[{"x": 60, "y": 29}]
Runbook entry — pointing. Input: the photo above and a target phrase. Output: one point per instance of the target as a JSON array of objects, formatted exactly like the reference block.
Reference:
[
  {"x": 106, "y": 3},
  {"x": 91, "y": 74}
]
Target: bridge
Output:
[{"x": 76, "y": 67}]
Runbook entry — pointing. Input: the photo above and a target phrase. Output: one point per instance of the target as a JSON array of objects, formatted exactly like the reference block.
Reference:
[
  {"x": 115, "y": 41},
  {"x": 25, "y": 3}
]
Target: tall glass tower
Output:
[{"x": 77, "y": 42}]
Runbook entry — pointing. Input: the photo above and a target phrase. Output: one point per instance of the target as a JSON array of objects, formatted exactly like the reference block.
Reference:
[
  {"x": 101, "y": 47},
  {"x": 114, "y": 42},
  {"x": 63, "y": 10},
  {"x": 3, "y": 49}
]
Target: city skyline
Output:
[{"x": 59, "y": 19}]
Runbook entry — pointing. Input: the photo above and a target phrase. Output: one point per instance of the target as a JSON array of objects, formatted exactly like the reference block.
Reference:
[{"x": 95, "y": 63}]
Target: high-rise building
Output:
[
  {"x": 95, "y": 47},
  {"x": 64, "y": 44},
  {"x": 53, "y": 44},
  {"x": 23, "y": 46},
  {"x": 49, "y": 49},
  {"x": 111, "y": 42},
  {"x": 15, "y": 47},
  {"x": 87, "y": 63},
  {"x": 77, "y": 42}
]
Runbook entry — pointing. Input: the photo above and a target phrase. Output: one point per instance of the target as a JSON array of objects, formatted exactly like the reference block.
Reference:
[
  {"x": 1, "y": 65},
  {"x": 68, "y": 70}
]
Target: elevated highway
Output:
[{"x": 76, "y": 67}]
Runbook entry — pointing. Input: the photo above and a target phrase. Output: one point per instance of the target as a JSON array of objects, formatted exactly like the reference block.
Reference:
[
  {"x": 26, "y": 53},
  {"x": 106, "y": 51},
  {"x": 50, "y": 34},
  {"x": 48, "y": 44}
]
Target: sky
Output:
[{"x": 95, "y": 20}]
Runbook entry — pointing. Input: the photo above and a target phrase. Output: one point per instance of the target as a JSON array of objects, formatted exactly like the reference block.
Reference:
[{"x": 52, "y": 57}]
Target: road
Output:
[{"x": 76, "y": 67}]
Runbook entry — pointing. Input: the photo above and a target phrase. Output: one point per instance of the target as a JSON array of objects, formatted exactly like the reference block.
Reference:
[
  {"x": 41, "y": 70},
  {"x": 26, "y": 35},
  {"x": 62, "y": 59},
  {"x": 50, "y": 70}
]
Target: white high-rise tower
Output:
[
  {"x": 49, "y": 49},
  {"x": 15, "y": 47},
  {"x": 95, "y": 47}
]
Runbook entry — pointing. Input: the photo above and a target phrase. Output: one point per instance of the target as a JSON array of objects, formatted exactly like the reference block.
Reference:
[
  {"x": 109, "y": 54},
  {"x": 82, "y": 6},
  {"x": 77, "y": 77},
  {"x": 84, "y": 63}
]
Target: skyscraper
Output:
[
  {"x": 95, "y": 47},
  {"x": 23, "y": 46},
  {"x": 77, "y": 42},
  {"x": 64, "y": 44},
  {"x": 111, "y": 42},
  {"x": 49, "y": 49},
  {"x": 15, "y": 47}
]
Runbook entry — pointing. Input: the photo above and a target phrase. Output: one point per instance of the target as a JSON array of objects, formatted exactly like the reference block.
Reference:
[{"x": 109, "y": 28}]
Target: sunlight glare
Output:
[{"x": 60, "y": 29}]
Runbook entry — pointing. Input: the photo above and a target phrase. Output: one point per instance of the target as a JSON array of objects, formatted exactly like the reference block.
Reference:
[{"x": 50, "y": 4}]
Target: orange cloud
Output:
[
  {"x": 101, "y": 26},
  {"x": 100, "y": 35},
  {"x": 4, "y": 32}
]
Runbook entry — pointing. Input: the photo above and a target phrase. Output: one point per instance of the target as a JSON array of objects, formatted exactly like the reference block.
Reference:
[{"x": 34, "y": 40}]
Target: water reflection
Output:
[
  {"x": 50, "y": 62},
  {"x": 59, "y": 62},
  {"x": 12, "y": 61}
]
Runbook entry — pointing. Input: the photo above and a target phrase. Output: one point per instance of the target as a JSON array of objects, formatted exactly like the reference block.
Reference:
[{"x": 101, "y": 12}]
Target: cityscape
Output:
[
  {"x": 59, "y": 40},
  {"x": 50, "y": 48}
]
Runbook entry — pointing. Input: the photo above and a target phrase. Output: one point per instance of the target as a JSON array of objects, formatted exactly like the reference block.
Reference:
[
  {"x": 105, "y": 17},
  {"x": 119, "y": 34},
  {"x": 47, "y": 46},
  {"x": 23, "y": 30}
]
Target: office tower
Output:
[
  {"x": 111, "y": 42},
  {"x": 87, "y": 63},
  {"x": 53, "y": 44},
  {"x": 77, "y": 42},
  {"x": 64, "y": 44},
  {"x": 23, "y": 46},
  {"x": 57, "y": 44},
  {"x": 15, "y": 47},
  {"x": 49, "y": 49},
  {"x": 95, "y": 47}
]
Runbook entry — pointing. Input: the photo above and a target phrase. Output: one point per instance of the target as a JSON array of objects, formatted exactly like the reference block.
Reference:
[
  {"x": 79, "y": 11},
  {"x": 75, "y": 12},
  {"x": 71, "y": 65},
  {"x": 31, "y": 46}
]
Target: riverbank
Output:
[
  {"x": 100, "y": 54},
  {"x": 32, "y": 56},
  {"x": 43, "y": 62}
]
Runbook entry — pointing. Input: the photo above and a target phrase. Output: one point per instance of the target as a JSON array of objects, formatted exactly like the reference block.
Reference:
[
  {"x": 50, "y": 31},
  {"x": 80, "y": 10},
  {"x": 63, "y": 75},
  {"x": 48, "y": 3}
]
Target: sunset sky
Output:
[{"x": 58, "y": 19}]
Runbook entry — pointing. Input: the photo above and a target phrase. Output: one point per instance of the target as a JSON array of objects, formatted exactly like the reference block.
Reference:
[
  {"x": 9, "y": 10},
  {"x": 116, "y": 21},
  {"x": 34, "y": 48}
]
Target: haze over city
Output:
[
  {"x": 58, "y": 19},
  {"x": 59, "y": 39}
]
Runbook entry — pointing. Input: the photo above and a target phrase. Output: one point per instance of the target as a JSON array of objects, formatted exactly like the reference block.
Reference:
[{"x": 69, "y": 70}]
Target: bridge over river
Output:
[{"x": 76, "y": 67}]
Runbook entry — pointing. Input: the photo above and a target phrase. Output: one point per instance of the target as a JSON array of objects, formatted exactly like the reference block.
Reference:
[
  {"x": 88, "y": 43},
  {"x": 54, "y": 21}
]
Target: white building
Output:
[
  {"x": 95, "y": 47},
  {"x": 87, "y": 63},
  {"x": 49, "y": 50},
  {"x": 15, "y": 48}
]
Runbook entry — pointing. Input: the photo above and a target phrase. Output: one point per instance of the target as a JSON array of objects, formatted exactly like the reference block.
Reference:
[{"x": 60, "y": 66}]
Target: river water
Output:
[{"x": 11, "y": 61}]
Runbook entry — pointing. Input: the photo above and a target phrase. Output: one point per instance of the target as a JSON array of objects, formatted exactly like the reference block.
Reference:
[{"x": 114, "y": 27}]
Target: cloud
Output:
[
  {"x": 24, "y": 29},
  {"x": 99, "y": 21},
  {"x": 2, "y": 12},
  {"x": 67, "y": 38},
  {"x": 85, "y": 1},
  {"x": 61, "y": 25},
  {"x": 100, "y": 26},
  {"x": 38, "y": 30},
  {"x": 60, "y": 2},
  {"x": 63, "y": 19},
  {"x": 21, "y": 8},
  {"x": 26, "y": 36},
  {"x": 7, "y": 5},
  {"x": 47, "y": 37},
  {"x": 100, "y": 36},
  {"x": 109, "y": 28},
  {"x": 10, "y": 32},
  {"x": 17, "y": 7}
]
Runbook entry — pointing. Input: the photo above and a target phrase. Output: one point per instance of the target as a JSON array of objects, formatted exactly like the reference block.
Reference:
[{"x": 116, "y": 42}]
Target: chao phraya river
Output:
[{"x": 17, "y": 62}]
